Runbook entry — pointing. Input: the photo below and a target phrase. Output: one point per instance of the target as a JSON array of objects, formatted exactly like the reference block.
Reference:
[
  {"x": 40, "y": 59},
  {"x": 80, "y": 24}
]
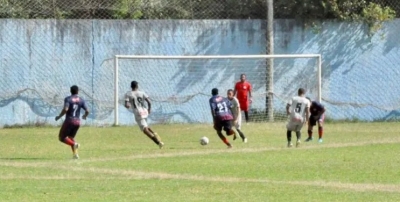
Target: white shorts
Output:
[
  {"x": 294, "y": 126},
  {"x": 142, "y": 123}
]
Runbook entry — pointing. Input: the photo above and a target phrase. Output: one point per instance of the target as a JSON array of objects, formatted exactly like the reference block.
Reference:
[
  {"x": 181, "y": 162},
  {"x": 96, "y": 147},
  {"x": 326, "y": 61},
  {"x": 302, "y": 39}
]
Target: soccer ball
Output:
[{"x": 204, "y": 141}]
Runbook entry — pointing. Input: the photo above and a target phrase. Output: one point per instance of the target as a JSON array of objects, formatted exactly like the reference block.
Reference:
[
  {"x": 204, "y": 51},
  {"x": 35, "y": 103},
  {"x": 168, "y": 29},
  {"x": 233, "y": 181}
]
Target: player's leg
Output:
[
  {"x": 148, "y": 132},
  {"x": 239, "y": 130},
  {"x": 244, "y": 106},
  {"x": 289, "y": 130},
  {"x": 161, "y": 144},
  {"x": 72, "y": 133},
  {"x": 246, "y": 115},
  {"x": 63, "y": 134},
  {"x": 311, "y": 123},
  {"x": 321, "y": 127},
  {"x": 298, "y": 134},
  {"x": 218, "y": 127}
]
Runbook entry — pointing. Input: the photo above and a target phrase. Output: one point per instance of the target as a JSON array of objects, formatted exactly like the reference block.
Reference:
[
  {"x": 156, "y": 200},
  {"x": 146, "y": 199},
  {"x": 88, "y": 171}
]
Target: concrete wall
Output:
[{"x": 40, "y": 59}]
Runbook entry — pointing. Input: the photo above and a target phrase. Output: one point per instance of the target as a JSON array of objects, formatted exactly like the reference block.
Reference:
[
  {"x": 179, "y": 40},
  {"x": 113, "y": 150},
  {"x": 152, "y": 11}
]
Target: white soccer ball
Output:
[{"x": 204, "y": 141}]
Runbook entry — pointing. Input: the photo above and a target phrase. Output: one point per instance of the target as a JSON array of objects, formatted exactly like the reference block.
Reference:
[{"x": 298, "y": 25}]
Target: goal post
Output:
[{"x": 156, "y": 70}]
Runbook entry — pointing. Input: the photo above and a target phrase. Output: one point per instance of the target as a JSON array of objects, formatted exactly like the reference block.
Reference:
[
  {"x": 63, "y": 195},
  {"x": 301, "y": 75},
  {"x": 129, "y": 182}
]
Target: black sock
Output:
[
  {"x": 241, "y": 134},
  {"x": 289, "y": 135},
  {"x": 298, "y": 135},
  {"x": 246, "y": 115},
  {"x": 155, "y": 140}
]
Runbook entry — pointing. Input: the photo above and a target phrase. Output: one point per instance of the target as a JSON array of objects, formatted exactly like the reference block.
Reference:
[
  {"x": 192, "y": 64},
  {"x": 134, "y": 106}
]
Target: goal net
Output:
[{"x": 180, "y": 86}]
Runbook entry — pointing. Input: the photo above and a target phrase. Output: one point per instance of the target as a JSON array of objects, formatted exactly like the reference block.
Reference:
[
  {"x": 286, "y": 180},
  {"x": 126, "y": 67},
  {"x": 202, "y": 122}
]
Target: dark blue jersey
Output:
[
  {"x": 316, "y": 108},
  {"x": 74, "y": 104},
  {"x": 221, "y": 107}
]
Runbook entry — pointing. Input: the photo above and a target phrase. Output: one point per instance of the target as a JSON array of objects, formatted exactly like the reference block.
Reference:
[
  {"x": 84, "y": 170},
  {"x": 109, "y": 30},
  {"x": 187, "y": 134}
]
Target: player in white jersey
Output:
[
  {"x": 237, "y": 116},
  {"x": 298, "y": 109},
  {"x": 135, "y": 99}
]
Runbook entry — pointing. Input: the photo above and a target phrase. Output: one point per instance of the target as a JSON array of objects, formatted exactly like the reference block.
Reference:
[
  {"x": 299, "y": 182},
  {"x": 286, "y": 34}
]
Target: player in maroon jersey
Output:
[
  {"x": 317, "y": 115},
  {"x": 72, "y": 109},
  {"x": 222, "y": 115}
]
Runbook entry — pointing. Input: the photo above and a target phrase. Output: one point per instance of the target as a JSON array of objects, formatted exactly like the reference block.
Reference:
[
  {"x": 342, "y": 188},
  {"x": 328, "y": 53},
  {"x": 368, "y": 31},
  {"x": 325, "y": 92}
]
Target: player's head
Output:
[
  {"x": 301, "y": 92},
  {"x": 74, "y": 89},
  {"x": 230, "y": 94},
  {"x": 134, "y": 85},
  {"x": 214, "y": 91},
  {"x": 243, "y": 77}
]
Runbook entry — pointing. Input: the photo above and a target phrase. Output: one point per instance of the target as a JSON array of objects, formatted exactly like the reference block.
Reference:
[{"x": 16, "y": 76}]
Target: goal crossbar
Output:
[{"x": 166, "y": 57}]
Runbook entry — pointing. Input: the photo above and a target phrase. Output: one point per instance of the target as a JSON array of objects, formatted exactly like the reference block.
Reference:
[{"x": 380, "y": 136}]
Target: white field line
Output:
[
  {"x": 132, "y": 174},
  {"x": 304, "y": 146}
]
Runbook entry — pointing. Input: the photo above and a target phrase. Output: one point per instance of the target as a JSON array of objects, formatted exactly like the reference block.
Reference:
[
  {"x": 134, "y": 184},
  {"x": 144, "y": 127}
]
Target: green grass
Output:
[{"x": 356, "y": 162}]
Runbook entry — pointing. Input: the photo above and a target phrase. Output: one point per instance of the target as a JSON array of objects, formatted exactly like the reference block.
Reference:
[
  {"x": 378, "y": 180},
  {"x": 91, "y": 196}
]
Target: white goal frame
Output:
[{"x": 164, "y": 57}]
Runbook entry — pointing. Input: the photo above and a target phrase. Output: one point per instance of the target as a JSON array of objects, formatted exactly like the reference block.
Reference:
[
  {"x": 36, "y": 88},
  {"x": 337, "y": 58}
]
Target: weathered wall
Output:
[{"x": 40, "y": 59}]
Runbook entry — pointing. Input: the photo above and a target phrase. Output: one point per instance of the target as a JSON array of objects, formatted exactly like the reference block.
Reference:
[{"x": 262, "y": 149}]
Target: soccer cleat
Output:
[
  {"x": 229, "y": 146},
  {"x": 245, "y": 140},
  {"x": 298, "y": 143},
  {"x": 289, "y": 144},
  {"x": 320, "y": 140},
  {"x": 309, "y": 139},
  {"x": 75, "y": 156},
  {"x": 234, "y": 136},
  {"x": 161, "y": 145}
]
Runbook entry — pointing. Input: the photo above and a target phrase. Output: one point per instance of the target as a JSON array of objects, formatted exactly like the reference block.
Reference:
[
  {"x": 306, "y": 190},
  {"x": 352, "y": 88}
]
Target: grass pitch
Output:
[{"x": 356, "y": 162}]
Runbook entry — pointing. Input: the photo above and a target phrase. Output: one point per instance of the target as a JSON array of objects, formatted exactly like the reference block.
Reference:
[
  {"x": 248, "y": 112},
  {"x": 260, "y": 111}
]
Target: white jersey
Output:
[
  {"x": 298, "y": 107},
  {"x": 235, "y": 108},
  {"x": 136, "y": 99}
]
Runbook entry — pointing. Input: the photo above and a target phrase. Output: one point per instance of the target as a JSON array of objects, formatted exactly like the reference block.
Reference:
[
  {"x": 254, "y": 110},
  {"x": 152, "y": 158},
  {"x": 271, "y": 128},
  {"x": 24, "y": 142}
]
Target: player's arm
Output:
[
  {"x": 127, "y": 104},
  {"x": 322, "y": 111},
  {"x": 148, "y": 103},
  {"x": 64, "y": 110},
  {"x": 307, "y": 113},
  {"x": 250, "y": 96},
  {"x": 234, "y": 90},
  {"x": 213, "y": 107},
  {"x": 84, "y": 107}
]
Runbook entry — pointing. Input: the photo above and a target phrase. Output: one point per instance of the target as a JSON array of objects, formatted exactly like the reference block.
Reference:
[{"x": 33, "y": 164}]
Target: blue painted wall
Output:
[{"x": 40, "y": 59}]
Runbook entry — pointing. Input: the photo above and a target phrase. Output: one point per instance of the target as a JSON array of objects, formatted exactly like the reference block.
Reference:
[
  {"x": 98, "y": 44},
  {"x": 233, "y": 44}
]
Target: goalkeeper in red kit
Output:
[{"x": 242, "y": 91}]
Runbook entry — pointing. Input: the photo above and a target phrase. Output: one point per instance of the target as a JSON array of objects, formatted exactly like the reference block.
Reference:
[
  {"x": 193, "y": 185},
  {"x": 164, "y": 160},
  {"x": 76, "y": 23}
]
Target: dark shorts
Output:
[
  {"x": 313, "y": 120},
  {"x": 69, "y": 129},
  {"x": 223, "y": 124}
]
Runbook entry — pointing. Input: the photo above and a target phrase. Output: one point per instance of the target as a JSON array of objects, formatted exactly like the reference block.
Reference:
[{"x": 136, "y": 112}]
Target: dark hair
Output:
[
  {"x": 230, "y": 90},
  {"x": 134, "y": 84},
  {"x": 301, "y": 91},
  {"x": 214, "y": 91},
  {"x": 74, "y": 89},
  {"x": 242, "y": 75}
]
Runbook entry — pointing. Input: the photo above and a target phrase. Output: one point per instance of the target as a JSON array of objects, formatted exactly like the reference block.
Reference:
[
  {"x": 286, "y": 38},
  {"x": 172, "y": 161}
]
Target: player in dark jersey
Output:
[
  {"x": 222, "y": 115},
  {"x": 72, "y": 110},
  {"x": 317, "y": 115}
]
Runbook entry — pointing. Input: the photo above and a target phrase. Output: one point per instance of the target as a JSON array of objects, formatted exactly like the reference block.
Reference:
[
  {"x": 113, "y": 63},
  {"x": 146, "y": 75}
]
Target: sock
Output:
[
  {"x": 241, "y": 134},
  {"x": 226, "y": 141},
  {"x": 289, "y": 136},
  {"x": 309, "y": 133},
  {"x": 246, "y": 115},
  {"x": 320, "y": 132},
  {"x": 69, "y": 141},
  {"x": 298, "y": 135},
  {"x": 155, "y": 140}
]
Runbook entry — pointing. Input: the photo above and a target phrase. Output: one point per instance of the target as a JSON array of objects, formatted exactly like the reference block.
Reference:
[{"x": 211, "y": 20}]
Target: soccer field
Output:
[{"x": 356, "y": 162}]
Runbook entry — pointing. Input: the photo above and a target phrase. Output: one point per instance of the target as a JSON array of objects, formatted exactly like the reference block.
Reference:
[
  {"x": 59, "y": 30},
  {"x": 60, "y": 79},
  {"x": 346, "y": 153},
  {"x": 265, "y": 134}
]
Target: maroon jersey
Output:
[
  {"x": 221, "y": 107},
  {"x": 74, "y": 104},
  {"x": 316, "y": 108}
]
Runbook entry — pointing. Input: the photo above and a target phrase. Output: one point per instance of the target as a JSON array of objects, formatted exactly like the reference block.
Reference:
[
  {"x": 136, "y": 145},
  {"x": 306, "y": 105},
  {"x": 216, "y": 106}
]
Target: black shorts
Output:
[
  {"x": 223, "y": 124},
  {"x": 313, "y": 119},
  {"x": 69, "y": 129}
]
